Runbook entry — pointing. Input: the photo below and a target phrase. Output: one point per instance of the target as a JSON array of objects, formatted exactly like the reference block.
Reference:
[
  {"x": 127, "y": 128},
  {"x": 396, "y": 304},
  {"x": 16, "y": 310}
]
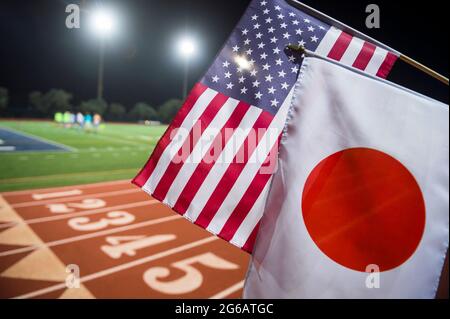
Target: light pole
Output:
[
  {"x": 185, "y": 78},
  {"x": 101, "y": 63},
  {"x": 103, "y": 24},
  {"x": 187, "y": 48}
]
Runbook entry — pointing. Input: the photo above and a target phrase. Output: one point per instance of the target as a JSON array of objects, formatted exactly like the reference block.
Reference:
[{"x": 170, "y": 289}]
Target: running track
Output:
[{"x": 124, "y": 244}]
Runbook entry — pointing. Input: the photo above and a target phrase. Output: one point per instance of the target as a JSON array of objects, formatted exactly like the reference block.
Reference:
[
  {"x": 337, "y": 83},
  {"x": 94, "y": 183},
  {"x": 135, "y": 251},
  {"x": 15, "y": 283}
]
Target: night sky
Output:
[{"x": 37, "y": 51}]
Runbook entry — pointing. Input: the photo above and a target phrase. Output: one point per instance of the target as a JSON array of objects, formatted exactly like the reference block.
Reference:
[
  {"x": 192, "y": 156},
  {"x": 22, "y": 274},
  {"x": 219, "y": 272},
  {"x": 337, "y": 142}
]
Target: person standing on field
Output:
[
  {"x": 88, "y": 122},
  {"x": 80, "y": 120},
  {"x": 97, "y": 121}
]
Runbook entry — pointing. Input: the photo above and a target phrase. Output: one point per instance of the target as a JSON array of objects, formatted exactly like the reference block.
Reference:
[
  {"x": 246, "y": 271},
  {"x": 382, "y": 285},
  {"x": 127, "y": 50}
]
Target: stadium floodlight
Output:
[
  {"x": 103, "y": 22},
  {"x": 187, "y": 47}
]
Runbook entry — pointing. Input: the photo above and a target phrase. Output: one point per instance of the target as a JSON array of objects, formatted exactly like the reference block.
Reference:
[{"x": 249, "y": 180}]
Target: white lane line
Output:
[
  {"x": 80, "y": 151},
  {"x": 91, "y": 235},
  {"x": 119, "y": 268},
  {"x": 7, "y": 148},
  {"x": 73, "y": 192},
  {"x": 228, "y": 291},
  {"x": 69, "y": 176},
  {"x": 82, "y": 213},
  {"x": 82, "y": 186},
  {"x": 103, "y": 150},
  {"x": 69, "y": 199},
  {"x": 116, "y": 140}
]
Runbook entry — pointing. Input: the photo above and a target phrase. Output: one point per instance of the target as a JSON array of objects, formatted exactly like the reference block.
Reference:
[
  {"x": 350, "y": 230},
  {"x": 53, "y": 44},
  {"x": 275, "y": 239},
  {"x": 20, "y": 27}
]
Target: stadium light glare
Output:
[
  {"x": 242, "y": 62},
  {"x": 103, "y": 22},
  {"x": 187, "y": 47}
]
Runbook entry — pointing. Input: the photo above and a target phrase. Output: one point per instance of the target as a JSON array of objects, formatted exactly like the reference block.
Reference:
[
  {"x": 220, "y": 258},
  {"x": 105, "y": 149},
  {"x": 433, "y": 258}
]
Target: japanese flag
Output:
[{"x": 359, "y": 205}]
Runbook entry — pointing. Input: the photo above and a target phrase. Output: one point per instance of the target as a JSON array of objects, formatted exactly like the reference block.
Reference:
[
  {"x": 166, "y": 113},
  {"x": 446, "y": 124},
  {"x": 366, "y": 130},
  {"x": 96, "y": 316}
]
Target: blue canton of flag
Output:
[{"x": 254, "y": 65}]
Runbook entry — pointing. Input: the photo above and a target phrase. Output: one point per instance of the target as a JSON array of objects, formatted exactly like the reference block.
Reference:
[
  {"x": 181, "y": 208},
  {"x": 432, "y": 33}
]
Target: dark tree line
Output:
[{"x": 46, "y": 104}]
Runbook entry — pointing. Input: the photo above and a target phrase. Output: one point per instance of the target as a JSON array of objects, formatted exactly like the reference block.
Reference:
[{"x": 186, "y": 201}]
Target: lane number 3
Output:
[{"x": 115, "y": 218}]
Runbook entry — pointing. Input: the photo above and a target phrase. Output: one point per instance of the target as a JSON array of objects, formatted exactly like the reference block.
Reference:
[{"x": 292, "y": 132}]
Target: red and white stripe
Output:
[
  {"x": 358, "y": 53},
  {"x": 224, "y": 192}
]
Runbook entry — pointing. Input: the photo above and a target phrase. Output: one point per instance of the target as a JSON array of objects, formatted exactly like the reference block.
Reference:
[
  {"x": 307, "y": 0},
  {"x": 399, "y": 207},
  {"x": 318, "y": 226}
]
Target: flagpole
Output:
[
  {"x": 322, "y": 16},
  {"x": 424, "y": 69},
  {"x": 299, "y": 49}
]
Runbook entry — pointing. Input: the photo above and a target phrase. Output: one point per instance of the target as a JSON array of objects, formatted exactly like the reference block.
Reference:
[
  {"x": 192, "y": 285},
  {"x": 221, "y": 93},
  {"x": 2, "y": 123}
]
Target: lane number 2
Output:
[{"x": 91, "y": 203}]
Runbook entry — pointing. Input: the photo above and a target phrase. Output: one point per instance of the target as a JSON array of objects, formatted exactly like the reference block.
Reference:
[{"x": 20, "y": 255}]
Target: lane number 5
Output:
[{"x": 191, "y": 280}]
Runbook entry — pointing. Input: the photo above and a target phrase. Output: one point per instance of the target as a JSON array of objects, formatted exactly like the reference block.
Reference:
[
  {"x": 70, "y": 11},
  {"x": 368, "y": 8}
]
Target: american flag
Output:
[{"x": 214, "y": 163}]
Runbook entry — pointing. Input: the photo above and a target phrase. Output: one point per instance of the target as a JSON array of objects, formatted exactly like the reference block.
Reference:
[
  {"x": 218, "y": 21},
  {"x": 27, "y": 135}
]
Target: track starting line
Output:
[{"x": 108, "y": 240}]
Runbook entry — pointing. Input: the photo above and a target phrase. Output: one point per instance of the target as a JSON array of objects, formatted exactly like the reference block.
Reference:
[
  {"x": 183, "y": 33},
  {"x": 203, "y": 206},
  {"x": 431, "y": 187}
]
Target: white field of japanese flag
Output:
[{"x": 362, "y": 186}]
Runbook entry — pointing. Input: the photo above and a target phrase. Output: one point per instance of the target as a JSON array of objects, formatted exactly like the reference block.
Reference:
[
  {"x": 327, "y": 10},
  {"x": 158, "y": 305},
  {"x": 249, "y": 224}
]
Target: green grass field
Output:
[{"x": 116, "y": 152}]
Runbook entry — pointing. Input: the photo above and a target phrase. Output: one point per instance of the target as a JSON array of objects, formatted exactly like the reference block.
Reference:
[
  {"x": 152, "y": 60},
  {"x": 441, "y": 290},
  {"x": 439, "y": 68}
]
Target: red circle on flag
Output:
[{"x": 363, "y": 207}]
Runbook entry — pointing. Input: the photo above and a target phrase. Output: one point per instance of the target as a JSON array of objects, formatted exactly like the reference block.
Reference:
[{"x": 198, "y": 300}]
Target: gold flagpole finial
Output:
[{"x": 298, "y": 48}]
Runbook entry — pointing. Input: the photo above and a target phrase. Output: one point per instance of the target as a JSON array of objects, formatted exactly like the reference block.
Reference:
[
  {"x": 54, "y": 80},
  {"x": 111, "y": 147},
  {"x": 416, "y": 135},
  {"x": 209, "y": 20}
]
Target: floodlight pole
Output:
[
  {"x": 185, "y": 77},
  {"x": 101, "y": 62}
]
